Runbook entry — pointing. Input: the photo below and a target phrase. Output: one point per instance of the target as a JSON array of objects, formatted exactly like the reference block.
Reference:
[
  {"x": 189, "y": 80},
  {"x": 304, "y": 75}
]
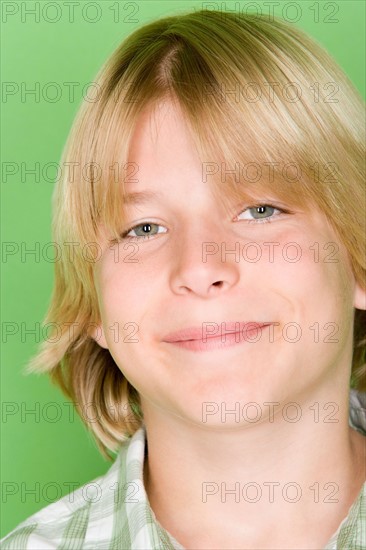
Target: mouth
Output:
[{"x": 216, "y": 335}]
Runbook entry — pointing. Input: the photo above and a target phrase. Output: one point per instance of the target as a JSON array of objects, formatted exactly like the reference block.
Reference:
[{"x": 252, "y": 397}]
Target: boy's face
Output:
[{"x": 175, "y": 280}]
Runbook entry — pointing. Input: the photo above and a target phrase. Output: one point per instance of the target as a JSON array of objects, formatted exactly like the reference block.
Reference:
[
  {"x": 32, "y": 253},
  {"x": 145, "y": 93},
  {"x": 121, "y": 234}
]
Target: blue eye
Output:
[
  {"x": 147, "y": 229},
  {"x": 143, "y": 230},
  {"x": 262, "y": 211}
]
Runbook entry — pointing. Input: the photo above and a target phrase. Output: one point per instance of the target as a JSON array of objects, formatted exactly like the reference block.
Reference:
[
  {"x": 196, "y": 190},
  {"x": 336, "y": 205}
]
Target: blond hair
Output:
[{"x": 219, "y": 68}]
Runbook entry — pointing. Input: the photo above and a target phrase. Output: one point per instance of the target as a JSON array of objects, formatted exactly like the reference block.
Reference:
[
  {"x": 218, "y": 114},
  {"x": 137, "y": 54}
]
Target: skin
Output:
[{"x": 171, "y": 288}]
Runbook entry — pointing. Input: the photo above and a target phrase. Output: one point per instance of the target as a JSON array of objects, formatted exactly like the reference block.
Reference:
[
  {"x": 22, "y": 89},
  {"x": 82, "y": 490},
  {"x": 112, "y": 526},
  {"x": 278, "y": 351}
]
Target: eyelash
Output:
[{"x": 124, "y": 235}]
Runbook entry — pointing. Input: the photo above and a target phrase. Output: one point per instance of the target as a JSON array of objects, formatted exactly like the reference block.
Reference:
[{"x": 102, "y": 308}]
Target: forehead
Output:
[
  {"x": 159, "y": 131},
  {"x": 164, "y": 157}
]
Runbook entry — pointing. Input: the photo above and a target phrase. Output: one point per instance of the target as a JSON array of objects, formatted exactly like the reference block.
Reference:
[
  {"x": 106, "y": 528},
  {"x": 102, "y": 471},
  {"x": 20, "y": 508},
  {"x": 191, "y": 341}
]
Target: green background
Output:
[{"x": 44, "y": 452}]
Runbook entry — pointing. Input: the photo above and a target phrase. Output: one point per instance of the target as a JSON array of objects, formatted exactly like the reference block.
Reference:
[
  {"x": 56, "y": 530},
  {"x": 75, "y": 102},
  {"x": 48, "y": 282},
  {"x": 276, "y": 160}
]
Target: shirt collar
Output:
[{"x": 149, "y": 535}]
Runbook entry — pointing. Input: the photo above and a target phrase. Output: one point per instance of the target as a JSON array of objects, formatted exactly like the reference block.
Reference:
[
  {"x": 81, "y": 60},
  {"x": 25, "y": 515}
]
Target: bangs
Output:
[{"x": 248, "y": 106}]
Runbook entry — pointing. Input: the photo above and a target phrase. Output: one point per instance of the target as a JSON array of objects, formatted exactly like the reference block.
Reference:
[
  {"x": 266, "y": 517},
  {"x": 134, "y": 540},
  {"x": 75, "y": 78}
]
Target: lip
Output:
[{"x": 216, "y": 335}]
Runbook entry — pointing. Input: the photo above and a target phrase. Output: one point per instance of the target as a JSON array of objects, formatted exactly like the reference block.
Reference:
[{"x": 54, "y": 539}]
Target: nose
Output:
[{"x": 194, "y": 271}]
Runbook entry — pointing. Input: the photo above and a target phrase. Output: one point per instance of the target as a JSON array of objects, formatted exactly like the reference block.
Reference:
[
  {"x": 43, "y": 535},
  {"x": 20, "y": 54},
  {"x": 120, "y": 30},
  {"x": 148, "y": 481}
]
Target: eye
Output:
[
  {"x": 144, "y": 230},
  {"x": 264, "y": 213},
  {"x": 147, "y": 229}
]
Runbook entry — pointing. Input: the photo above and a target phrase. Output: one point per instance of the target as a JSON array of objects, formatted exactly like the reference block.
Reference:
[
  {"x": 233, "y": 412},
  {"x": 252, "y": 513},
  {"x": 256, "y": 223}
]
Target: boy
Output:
[{"x": 217, "y": 332}]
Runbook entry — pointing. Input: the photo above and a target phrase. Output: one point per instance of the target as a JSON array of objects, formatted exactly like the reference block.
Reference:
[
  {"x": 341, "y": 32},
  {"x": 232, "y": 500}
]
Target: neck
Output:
[{"x": 237, "y": 474}]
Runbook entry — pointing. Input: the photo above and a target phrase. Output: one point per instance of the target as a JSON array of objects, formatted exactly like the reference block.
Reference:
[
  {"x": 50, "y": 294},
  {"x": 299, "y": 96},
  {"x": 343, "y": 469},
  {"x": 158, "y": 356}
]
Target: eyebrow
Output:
[{"x": 140, "y": 197}]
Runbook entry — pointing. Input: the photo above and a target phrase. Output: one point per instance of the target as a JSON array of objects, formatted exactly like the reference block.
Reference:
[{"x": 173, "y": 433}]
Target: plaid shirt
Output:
[{"x": 113, "y": 512}]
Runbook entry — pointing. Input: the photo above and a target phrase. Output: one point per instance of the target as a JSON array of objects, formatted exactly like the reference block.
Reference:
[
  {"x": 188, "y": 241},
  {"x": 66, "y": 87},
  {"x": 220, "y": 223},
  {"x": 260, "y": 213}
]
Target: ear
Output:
[
  {"x": 359, "y": 297},
  {"x": 97, "y": 333}
]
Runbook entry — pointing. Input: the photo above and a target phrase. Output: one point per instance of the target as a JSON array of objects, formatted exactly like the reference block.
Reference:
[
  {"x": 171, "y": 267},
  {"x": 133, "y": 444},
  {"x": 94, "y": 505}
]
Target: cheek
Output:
[
  {"x": 320, "y": 282},
  {"x": 127, "y": 293}
]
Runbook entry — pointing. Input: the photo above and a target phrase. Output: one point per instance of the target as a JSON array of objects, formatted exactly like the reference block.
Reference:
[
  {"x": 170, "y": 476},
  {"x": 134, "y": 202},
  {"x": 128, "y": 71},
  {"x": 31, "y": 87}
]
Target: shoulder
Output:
[
  {"x": 84, "y": 513},
  {"x": 352, "y": 532}
]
